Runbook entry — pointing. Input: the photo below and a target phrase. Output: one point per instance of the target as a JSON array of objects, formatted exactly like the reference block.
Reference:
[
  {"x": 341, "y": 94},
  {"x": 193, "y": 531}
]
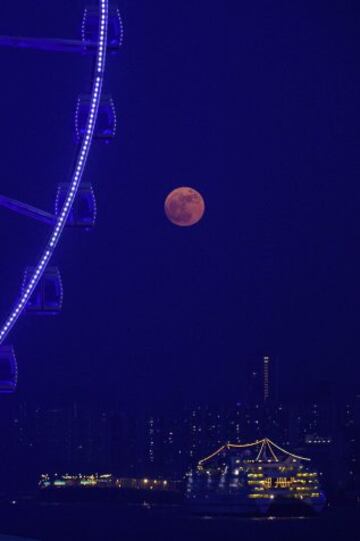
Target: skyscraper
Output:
[{"x": 266, "y": 373}]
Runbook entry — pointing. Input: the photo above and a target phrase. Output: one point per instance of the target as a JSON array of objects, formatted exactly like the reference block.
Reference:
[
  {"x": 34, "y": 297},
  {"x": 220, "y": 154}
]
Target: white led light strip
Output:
[{"x": 76, "y": 178}]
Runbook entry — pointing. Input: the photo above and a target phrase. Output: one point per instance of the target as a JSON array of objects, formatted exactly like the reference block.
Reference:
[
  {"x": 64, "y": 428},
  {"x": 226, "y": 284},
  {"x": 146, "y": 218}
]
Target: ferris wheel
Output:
[{"x": 75, "y": 205}]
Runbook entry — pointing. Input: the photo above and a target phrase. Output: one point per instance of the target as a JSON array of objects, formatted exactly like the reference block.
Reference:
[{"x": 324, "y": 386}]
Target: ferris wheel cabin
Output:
[
  {"x": 90, "y": 27},
  {"x": 47, "y": 298},
  {"x": 105, "y": 128},
  {"x": 83, "y": 212},
  {"x": 8, "y": 370}
]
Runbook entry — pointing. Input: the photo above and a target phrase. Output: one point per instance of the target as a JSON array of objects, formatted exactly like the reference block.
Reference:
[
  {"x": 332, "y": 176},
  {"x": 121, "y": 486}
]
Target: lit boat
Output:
[{"x": 259, "y": 478}]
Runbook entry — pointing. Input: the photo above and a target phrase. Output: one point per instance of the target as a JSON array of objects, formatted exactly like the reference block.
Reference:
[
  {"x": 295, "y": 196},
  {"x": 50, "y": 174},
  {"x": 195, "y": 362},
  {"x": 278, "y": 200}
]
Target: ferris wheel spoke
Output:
[
  {"x": 27, "y": 210},
  {"x": 53, "y": 45},
  {"x": 82, "y": 215},
  {"x": 87, "y": 45}
]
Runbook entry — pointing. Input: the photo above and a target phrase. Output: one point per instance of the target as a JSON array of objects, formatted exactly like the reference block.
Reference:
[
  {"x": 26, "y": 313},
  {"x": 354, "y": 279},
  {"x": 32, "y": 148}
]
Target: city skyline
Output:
[{"x": 79, "y": 437}]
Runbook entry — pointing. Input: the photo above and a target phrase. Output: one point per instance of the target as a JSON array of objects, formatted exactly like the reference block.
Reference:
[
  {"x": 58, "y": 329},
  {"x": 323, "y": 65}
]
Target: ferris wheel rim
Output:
[{"x": 76, "y": 177}]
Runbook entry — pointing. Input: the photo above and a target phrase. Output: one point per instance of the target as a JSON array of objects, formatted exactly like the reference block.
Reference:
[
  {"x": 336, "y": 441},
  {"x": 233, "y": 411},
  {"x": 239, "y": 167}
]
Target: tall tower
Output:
[{"x": 266, "y": 373}]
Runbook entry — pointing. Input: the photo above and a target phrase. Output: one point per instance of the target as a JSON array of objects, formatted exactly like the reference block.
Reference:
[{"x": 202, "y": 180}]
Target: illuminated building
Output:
[
  {"x": 107, "y": 487},
  {"x": 266, "y": 373},
  {"x": 106, "y": 480}
]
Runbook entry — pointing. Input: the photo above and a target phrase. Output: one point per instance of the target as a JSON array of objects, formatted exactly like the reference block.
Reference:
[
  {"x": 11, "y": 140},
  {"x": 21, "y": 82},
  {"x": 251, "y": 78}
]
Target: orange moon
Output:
[{"x": 184, "y": 206}]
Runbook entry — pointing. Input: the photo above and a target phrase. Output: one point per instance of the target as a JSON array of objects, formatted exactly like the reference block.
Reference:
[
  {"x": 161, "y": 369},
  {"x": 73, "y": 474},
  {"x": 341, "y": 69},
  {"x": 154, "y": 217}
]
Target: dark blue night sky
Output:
[{"x": 256, "y": 105}]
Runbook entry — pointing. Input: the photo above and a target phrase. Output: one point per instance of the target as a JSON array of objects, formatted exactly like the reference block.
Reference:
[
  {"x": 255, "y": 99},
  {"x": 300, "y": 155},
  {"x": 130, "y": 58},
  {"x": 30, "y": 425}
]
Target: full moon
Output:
[{"x": 184, "y": 206}]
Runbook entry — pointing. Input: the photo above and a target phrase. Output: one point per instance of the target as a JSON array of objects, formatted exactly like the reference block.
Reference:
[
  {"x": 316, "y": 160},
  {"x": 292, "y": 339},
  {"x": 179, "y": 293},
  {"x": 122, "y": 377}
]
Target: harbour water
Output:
[
  {"x": 11, "y": 538},
  {"x": 107, "y": 522}
]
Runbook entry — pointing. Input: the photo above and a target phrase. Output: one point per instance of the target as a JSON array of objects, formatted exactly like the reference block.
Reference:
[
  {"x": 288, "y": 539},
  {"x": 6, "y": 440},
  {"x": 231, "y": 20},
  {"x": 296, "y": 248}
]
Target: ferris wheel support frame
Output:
[
  {"x": 27, "y": 210},
  {"x": 61, "y": 219},
  {"x": 53, "y": 44}
]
